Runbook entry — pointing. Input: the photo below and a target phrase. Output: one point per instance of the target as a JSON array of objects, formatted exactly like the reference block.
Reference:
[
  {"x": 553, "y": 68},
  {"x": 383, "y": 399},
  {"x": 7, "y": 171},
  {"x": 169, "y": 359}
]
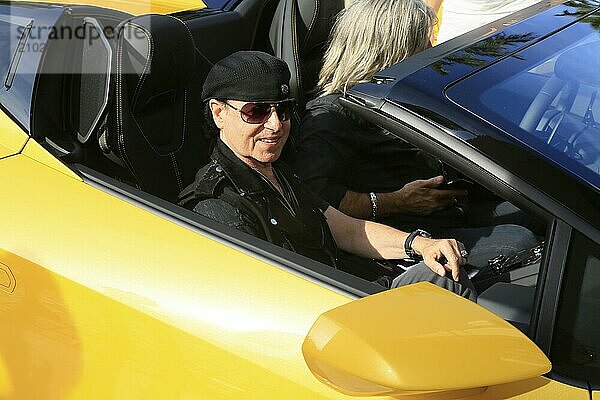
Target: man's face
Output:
[{"x": 252, "y": 143}]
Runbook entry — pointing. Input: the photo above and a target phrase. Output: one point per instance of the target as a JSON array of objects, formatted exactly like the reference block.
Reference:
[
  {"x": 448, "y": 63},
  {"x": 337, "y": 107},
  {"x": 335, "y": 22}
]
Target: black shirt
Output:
[
  {"x": 230, "y": 192},
  {"x": 337, "y": 151}
]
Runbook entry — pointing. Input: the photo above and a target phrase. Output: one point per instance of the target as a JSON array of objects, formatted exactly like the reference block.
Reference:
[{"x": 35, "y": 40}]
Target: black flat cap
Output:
[{"x": 248, "y": 76}]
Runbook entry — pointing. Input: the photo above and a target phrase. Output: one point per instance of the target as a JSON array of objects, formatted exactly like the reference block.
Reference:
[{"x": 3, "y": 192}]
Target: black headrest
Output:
[
  {"x": 160, "y": 51},
  {"x": 317, "y": 18},
  {"x": 298, "y": 35},
  {"x": 580, "y": 64}
]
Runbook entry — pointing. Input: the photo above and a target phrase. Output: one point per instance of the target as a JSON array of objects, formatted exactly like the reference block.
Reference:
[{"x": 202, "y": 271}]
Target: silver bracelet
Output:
[{"x": 373, "y": 197}]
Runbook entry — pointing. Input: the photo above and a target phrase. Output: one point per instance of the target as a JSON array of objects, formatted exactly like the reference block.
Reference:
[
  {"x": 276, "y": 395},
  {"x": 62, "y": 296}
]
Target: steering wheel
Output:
[{"x": 541, "y": 104}]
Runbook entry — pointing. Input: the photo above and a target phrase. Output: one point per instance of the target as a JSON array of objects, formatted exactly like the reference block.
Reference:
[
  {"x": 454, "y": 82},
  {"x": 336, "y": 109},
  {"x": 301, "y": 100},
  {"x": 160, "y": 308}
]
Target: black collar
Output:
[{"x": 245, "y": 179}]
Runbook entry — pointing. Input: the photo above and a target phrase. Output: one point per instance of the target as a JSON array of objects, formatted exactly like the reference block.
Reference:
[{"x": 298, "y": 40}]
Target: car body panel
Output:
[
  {"x": 137, "y": 7},
  {"x": 12, "y": 137},
  {"x": 94, "y": 346},
  {"x": 150, "y": 278},
  {"x": 36, "y": 152},
  {"x": 145, "y": 307}
]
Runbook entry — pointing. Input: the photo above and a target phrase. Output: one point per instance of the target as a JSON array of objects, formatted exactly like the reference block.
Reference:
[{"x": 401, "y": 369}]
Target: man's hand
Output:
[
  {"x": 441, "y": 255},
  {"x": 421, "y": 197}
]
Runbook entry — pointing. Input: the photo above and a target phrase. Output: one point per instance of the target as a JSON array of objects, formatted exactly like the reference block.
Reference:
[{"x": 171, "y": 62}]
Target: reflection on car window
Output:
[
  {"x": 548, "y": 97},
  {"x": 562, "y": 111},
  {"x": 576, "y": 345},
  {"x": 11, "y": 31},
  {"x": 23, "y": 35}
]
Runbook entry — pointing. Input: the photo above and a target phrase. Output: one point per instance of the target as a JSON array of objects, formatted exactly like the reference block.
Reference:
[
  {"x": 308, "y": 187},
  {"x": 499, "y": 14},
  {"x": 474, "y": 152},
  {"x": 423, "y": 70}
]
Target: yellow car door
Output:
[{"x": 102, "y": 299}]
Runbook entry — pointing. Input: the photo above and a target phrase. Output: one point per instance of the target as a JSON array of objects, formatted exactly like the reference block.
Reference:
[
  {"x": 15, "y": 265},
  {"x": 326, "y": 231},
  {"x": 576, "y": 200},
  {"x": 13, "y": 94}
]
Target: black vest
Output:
[{"x": 228, "y": 178}]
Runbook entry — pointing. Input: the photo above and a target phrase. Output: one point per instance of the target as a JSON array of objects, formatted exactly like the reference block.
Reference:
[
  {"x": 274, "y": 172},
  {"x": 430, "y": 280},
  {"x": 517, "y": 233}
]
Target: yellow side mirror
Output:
[{"x": 418, "y": 339}]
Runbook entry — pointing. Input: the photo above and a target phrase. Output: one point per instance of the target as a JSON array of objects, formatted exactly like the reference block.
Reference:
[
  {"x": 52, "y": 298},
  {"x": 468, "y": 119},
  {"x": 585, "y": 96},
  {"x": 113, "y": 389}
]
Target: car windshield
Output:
[{"x": 547, "y": 97}]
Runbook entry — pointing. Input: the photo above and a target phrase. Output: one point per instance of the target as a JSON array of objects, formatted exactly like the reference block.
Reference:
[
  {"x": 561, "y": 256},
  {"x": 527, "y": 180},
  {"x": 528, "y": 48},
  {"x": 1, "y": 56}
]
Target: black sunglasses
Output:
[{"x": 259, "y": 113}]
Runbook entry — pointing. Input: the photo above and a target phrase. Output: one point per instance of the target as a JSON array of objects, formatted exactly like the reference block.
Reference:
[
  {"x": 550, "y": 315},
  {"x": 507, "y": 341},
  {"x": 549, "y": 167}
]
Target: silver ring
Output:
[{"x": 464, "y": 253}]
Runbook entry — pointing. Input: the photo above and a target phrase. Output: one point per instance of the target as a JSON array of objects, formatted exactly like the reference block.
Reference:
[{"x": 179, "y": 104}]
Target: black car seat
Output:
[
  {"x": 298, "y": 35},
  {"x": 154, "y": 124}
]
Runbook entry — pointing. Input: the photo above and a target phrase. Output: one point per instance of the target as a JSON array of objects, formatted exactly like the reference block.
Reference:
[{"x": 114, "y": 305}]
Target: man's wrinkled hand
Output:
[{"x": 441, "y": 255}]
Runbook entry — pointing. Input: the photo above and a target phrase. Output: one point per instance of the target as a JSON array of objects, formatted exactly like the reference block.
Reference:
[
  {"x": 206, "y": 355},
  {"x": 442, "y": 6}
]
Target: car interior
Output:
[
  {"x": 562, "y": 113},
  {"x": 143, "y": 126}
]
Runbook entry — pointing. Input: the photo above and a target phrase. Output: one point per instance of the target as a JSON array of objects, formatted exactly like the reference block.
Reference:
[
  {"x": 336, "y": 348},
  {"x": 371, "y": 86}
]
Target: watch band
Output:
[{"x": 410, "y": 252}]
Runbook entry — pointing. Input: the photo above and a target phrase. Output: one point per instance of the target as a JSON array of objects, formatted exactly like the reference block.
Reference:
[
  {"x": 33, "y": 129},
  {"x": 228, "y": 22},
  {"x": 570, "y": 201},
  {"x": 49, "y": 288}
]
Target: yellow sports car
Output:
[{"x": 109, "y": 290}]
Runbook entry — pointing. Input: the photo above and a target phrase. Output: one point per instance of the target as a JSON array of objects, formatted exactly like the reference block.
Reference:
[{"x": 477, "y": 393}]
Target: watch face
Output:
[{"x": 423, "y": 233}]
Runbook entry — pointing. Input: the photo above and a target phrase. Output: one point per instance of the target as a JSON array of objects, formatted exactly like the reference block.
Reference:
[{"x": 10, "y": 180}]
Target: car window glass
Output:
[
  {"x": 24, "y": 30},
  {"x": 547, "y": 97},
  {"x": 14, "y": 32},
  {"x": 576, "y": 343}
]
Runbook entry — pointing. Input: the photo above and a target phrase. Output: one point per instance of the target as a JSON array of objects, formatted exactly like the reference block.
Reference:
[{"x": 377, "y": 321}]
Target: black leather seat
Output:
[
  {"x": 155, "y": 115},
  {"x": 298, "y": 35}
]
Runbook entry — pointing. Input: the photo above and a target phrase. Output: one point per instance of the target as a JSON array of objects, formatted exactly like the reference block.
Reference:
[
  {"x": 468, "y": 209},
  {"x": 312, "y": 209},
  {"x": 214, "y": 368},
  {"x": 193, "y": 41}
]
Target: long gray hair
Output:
[{"x": 371, "y": 35}]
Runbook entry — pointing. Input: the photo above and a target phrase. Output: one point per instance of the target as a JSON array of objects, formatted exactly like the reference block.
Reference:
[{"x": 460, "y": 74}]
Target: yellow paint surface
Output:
[
  {"x": 113, "y": 302},
  {"x": 36, "y": 152},
  {"x": 475, "y": 347},
  {"x": 136, "y": 7}
]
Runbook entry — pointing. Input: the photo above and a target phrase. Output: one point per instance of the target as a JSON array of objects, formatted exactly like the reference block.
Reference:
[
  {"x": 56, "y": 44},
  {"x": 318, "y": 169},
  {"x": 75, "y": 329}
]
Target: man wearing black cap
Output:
[{"x": 245, "y": 187}]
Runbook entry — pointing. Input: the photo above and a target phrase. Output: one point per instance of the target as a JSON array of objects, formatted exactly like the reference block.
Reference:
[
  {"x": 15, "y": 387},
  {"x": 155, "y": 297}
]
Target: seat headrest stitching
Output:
[
  {"x": 312, "y": 22},
  {"x": 193, "y": 44},
  {"x": 148, "y": 142},
  {"x": 295, "y": 48},
  {"x": 184, "y": 119},
  {"x": 187, "y": 28},
  {"x": 118, "y": 94},
  {"x": 120, "y": 134},
  {"x": 148, "y": 61},
  {"x": 177, "y": 174}
]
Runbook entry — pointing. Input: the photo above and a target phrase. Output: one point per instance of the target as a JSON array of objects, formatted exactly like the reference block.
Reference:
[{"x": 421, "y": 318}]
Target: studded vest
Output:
[{"x": 297, "y": 225}]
